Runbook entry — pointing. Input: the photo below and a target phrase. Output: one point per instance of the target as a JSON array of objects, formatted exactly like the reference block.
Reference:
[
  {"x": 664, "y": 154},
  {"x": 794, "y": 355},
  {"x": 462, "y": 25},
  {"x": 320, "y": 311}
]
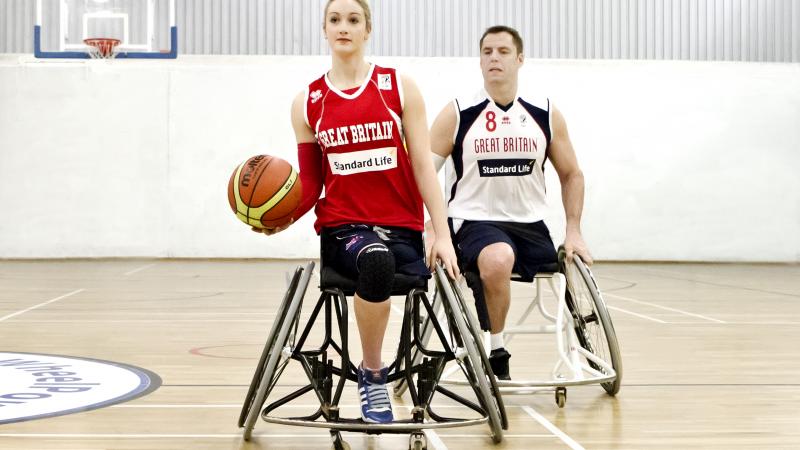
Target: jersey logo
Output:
[
  {"x": 505, "y": 167},
  {"x": 375, "y": 160},
  {"x": 316, "y": 95},
  {"x": 506, "y": 120},
  {"x": 385, "y": 81},
  {"x": 523, "y": 120}
]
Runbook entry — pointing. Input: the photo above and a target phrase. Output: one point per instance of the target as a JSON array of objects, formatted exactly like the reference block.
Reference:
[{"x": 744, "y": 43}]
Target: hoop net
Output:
[{"x": 102, "y": 48}]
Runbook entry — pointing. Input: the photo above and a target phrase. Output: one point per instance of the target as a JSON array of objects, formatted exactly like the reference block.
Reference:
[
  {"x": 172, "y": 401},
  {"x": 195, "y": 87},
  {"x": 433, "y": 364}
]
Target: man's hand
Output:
[
  {"x": 575, "y": 245},
  {"x": 271, "y": 231},
  {"x": 443, "y": 251}
]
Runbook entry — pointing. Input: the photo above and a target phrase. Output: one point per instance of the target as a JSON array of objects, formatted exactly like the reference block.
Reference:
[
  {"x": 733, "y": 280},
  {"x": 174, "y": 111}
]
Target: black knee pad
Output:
[{"x": 375, "y": 273}]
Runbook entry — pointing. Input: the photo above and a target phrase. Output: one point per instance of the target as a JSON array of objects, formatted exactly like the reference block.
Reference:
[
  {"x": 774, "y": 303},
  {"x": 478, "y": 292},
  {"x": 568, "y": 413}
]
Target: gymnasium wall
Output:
[
  {"x": 683, "y": 161},
  {"x": 704, "y": 30}
]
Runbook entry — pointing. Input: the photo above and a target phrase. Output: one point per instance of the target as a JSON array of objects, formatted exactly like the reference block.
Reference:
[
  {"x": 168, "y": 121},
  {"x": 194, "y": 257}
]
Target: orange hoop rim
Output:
[{"x": 102, "y": 47}]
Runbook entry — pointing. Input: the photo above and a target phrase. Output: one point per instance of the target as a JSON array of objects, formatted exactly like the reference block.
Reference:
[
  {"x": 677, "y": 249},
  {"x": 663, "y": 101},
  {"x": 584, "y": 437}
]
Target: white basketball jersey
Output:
[{"x": 497, "y": 167}]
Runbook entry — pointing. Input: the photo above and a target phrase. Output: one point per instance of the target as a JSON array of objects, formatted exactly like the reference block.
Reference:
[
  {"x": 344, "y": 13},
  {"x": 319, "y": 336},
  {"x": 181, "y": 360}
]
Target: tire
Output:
[
  {"x": 593, "y": 325},
  {"x": 475, "y": 331},
  {"x": 473, "y": 367},
  {"x": 283, "y": 330}
]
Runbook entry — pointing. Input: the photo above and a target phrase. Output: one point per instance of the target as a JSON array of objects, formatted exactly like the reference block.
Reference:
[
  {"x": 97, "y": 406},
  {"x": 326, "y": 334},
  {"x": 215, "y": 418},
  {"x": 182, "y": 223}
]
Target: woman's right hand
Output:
[{"x": 271, "y": 231}]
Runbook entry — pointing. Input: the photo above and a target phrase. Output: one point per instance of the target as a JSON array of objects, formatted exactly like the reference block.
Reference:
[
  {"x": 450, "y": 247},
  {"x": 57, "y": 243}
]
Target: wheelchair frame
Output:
[
  {"x": 284, "y": 344},
  {"x": 580, "y": 306}
]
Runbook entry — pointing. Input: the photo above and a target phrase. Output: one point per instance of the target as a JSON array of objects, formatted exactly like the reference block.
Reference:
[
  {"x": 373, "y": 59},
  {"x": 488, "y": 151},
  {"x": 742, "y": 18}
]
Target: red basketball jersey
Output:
[{"x": 366, "y": 168}]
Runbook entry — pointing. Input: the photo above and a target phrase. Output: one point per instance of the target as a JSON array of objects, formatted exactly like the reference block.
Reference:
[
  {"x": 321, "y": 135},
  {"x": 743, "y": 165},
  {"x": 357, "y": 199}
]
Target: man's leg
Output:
[
  {"x": 495, "y": 263},
  {"x": 487, "y": 249}
]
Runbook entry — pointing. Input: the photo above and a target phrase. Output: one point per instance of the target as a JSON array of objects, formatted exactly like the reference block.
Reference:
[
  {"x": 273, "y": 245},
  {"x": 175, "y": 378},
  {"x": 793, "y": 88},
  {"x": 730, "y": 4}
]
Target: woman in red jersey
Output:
[{"x": 362, "y": 133}]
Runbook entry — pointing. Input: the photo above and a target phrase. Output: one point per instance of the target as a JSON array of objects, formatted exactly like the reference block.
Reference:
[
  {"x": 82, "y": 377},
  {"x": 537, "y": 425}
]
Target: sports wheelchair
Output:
[
  {"x": 327, "y": 365},
  {"x": 586, "y": 342}
]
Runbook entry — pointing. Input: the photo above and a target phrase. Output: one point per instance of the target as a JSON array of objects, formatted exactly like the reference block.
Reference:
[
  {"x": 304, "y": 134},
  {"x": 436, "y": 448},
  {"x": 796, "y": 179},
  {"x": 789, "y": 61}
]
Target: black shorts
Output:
[
  {"x": 343, "y": 245},
  {"x": 531, "y": 243}
]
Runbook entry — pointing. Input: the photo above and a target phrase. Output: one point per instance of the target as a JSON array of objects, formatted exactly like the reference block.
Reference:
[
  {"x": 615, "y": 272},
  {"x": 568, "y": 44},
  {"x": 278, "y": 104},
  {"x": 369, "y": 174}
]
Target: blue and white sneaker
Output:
[{"x": 375, "y": 404}]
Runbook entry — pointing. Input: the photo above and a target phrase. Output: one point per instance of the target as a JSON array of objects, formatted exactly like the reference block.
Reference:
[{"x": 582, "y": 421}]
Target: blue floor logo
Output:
[{"x": 35, "y": 386}]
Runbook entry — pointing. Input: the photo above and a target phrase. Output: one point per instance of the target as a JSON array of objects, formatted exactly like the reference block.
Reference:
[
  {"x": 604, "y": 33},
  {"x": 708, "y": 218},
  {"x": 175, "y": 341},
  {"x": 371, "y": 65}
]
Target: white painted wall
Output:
[{"x": 683, "y": 160}]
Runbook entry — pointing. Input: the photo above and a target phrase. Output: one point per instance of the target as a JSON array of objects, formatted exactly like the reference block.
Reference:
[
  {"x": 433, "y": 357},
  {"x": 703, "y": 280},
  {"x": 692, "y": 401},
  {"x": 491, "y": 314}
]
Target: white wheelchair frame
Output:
[{"x": 576, "y": 364}]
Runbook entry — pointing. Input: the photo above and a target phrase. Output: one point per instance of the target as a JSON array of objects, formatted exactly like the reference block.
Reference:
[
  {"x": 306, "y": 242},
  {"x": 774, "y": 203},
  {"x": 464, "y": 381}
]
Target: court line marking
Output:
[
  {"x": 131, "y": 272},
  {"x": 42, "y": 304},
  {"x": 224, "y": 405},
  {"x": 615, "y": 308},
  {"x": 666, "y": 308},
  {"x": 553, "y": 429},
  {"x": 391, "y": 322},
  {"x": 434, "y": 440},
  {"x": 740, "y": 323},
  {"x": 120, "y": 312},
  {"x": 505, "y": 435},
  {"x": 151, "y": 436},
  {"x": 394, "y": 322},
  {"x": 228, "y": 435},
  {"x": 682, "y": 277},
  {"x": 177, "y": 406}
]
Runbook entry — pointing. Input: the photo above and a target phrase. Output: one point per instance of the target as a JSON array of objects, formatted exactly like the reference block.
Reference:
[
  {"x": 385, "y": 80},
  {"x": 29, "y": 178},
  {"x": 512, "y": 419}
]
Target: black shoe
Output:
[{"x": 498, "y": 359}]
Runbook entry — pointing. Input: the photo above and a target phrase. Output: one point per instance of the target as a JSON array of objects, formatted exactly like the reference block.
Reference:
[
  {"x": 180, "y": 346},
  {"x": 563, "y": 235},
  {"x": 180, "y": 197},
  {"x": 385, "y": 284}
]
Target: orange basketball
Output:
[{"x": 264, "y": 191}]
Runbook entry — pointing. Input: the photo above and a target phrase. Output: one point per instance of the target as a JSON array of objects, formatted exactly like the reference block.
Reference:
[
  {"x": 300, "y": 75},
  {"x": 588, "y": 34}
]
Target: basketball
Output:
[{"x": 264, "y": 191}]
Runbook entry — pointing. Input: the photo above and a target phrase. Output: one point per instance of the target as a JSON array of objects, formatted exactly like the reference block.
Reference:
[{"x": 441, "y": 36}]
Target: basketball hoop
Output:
[{"x": 102, "y": 48}]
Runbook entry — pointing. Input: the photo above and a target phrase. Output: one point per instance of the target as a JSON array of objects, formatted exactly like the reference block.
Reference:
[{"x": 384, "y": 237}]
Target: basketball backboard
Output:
[{"x": 145, "y": 28}]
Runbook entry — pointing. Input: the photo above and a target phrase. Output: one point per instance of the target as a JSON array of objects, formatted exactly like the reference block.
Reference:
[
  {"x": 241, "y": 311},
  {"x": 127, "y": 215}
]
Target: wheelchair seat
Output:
[
  {"x": 402, "y": 283},
  {"x": 545, "y": 270}
]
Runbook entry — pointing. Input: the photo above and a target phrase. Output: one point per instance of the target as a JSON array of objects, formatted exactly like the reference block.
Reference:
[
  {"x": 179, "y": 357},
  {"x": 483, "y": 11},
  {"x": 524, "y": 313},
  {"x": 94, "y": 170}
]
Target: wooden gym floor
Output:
[{"x": 710, "y": 356}]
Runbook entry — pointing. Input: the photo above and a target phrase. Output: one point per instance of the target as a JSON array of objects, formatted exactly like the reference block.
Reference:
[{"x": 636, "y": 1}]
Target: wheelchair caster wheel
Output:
[
  {"x": 417, "y": 441},
  {"x": 338, "y": 442},
  {"x": 561, "y": 396}
]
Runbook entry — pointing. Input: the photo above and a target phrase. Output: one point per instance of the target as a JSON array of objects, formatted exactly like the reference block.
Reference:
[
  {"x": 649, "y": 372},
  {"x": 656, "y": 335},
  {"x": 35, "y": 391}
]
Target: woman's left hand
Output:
[{"x": 442, "y": 250}]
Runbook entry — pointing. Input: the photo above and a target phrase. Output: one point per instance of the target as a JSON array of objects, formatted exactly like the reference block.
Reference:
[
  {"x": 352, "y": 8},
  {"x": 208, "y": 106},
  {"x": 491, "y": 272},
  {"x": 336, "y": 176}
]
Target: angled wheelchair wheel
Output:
[
  {"x": 475, "y": 331},
  {"x": 593, "y": 325},
  {"x": 280, "y": 316},
  {"x": 474, "y": 364},
  {"x": 272, "y": 360}
]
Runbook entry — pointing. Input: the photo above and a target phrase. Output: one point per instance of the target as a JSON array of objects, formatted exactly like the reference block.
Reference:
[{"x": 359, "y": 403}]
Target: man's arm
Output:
[
  {"x": 442, "y": 133},
  {"x": 565, "y": 162}
]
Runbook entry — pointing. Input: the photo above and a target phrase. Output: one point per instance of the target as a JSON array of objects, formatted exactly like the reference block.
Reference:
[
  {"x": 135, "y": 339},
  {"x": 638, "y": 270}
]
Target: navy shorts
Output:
[
  {"x": 344, "y": 244},
  {"x": 531, "y": 243}
]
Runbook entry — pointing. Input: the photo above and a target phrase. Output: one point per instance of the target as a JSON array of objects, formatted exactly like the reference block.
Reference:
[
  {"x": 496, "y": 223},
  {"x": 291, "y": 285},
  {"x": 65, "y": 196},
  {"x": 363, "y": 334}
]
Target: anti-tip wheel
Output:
[
  {"x": 338, "y": 442},
  {"x": 417, "y": 441},
  {"x": 561, "y": 396}
]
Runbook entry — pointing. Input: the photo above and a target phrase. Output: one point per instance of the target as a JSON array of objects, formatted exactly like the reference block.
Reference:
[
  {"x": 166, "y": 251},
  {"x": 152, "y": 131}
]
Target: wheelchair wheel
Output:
[
  {"x": 272, "y": 361},
  {"x": 473, "y": 365},
  {"x": 475, "y": 331},
  {"x": 593, "y": 325}
]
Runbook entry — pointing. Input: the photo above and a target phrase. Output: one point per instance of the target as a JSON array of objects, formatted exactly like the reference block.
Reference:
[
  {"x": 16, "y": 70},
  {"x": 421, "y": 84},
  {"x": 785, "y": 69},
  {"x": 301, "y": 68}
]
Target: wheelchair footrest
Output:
[{"x": 358, "y": 425}]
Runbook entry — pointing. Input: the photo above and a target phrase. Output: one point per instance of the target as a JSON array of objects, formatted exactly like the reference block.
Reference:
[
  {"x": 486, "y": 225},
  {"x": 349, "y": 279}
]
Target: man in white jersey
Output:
[{"x": 498, "y": 143}]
